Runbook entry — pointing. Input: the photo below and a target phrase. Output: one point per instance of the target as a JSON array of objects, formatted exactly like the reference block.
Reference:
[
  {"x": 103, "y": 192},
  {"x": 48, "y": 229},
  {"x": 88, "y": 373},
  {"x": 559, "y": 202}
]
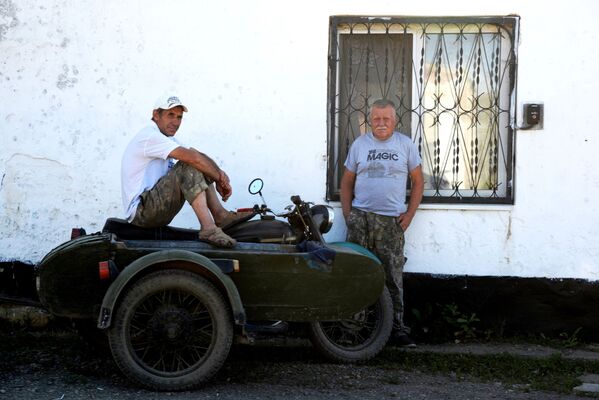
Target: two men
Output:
[
  {"x": 154, "y": 187},
  {"x": 373, "y": 188},
  {"x": 373, "y": 193}
]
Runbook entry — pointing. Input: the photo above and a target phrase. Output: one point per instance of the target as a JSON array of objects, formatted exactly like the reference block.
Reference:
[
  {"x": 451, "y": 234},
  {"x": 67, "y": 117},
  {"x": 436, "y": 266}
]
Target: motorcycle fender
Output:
[{"x": 136, "y": 269}]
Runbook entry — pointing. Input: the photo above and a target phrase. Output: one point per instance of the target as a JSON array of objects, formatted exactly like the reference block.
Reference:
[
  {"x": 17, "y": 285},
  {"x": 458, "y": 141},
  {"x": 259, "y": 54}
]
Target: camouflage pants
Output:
[
  {"x": 384, "y": 237},
  {"x": 159, "y": 205}
]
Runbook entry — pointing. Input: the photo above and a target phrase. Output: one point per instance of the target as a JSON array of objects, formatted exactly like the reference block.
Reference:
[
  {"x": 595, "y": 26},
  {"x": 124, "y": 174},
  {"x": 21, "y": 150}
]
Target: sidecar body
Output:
[{"x": 84, "y": 277}]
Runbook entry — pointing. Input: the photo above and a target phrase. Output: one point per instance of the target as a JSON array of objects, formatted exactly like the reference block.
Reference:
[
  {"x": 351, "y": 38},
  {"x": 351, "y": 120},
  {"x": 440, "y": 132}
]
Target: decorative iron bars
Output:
[{"x": 452, "y": 80}]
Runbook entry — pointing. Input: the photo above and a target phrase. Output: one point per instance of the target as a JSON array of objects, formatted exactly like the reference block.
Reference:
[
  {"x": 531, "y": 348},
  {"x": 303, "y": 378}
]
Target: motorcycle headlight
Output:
[{"x": 323, "y": 217}]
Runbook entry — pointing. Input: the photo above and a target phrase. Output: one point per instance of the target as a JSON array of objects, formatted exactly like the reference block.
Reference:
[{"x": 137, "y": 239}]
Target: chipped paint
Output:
[
  {"x": 67, "y": 79},
  {"x": 8, "y": 17}
]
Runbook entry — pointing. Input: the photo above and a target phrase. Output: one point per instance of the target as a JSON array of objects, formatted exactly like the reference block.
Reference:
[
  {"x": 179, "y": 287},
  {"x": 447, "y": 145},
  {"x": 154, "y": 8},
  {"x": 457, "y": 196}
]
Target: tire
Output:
[
  {"x": 358, "y": 338},
  {"x": 172, "y": 331}
]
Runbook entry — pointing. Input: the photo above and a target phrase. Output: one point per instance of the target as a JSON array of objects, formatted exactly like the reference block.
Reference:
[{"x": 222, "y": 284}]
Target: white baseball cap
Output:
[{"x": 167, "y": 102}]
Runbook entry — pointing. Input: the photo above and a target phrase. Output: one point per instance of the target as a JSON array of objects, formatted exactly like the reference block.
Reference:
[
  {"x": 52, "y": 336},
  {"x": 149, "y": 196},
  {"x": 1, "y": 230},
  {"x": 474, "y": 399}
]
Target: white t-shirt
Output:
[
  {"x": 382, "y": 168},
  {"x": 144, "y": 162}
]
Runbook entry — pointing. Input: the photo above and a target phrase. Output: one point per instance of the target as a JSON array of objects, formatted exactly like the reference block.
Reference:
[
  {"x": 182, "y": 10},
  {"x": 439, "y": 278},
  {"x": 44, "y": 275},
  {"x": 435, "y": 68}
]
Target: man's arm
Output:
[
  {"x": 348, "y": 180},
  {"x": 415, "y": 197},
  {"x": 205, "y": 165}
]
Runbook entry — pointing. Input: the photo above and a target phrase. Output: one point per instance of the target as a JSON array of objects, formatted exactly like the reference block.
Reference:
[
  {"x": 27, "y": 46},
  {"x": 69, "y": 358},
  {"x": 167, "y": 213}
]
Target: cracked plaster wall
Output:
[{"x": 78, "y": 78}]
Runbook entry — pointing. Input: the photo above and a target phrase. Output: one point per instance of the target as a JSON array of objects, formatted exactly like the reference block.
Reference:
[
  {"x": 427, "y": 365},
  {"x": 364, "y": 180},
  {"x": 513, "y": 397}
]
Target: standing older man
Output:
[
  {"x": 373, "y": 193},
  {"x": 154, "y": 186}
]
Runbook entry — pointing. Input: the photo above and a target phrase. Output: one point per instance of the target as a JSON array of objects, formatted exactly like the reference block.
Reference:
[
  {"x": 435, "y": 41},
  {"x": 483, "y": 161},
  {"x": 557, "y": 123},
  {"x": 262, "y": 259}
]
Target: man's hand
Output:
[
  {"x": 348, "y": 180},
  {"x": 223, "y": 185},
  {"x": 225, "y": 191},
  {"x": 417, "y": 178},
  {"x": 405, "y": 220}
]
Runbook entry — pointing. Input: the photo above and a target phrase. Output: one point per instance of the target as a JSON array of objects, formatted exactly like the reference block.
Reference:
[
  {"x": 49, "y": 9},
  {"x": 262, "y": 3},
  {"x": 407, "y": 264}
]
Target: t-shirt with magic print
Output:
[{"x": 382, "y": 168}]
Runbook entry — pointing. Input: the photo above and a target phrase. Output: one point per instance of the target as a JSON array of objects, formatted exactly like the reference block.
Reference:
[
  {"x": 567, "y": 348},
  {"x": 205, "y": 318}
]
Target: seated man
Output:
[{"x": 154, "y": 187}]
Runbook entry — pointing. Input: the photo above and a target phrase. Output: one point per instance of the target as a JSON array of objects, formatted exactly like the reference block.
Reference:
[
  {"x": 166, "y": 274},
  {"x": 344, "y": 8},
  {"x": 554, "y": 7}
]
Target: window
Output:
[{"x": 452, "y": 80}]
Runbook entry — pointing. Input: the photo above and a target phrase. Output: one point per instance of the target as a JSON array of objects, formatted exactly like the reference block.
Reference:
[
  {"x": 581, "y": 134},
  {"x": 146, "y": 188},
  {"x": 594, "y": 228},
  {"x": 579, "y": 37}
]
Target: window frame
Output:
[{"x": 508, "y": 24}]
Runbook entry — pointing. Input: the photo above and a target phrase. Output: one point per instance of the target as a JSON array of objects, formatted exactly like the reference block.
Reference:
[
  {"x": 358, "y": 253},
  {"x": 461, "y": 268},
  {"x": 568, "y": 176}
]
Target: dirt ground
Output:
[{"x": 62, "y": 366}]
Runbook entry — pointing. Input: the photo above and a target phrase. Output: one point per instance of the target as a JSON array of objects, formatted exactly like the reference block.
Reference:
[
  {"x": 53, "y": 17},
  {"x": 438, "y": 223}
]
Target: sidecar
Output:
[{"x": 172, "y": 306}]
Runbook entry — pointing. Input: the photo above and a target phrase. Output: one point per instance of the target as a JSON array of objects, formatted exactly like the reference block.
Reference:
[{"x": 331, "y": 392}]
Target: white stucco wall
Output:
[{"x": 78, "y": 79}]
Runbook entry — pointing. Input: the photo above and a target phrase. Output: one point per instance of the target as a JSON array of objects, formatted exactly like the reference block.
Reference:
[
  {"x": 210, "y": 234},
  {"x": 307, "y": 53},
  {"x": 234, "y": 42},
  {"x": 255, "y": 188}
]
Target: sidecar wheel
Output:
[
  {"x": 172, "y": 331},
  {"x": 358, "y": 338}
]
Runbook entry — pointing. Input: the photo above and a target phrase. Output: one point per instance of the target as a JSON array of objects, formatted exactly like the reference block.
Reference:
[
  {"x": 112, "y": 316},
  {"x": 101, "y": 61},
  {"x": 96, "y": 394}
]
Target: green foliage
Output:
[
  {"x": 438, "y": 323},
  {"x": 570, "y": 341},
  {"x": 464, "y": 325},
  {"x": 563, "y": 340}
]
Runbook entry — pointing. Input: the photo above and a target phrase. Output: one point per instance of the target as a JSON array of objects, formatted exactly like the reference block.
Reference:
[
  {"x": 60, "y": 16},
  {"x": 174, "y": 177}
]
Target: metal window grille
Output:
[{"x": 452, "y": 80}]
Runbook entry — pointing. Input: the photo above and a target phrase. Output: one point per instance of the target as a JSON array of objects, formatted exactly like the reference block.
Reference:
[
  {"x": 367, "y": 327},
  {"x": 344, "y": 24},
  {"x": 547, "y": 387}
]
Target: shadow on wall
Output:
[
  {"x": 501, "y": 306},
  {"x": 17, "y": 283}
]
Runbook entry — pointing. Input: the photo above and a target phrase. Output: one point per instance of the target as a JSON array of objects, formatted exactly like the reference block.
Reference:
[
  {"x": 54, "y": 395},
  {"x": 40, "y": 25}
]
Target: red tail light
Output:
[{"x": 104, "y": 270}]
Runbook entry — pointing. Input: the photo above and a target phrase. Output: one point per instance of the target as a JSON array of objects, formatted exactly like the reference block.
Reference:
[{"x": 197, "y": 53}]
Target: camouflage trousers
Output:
[
  {"x": 383, "y": 236},
  {"x": 159, "y": 205}
]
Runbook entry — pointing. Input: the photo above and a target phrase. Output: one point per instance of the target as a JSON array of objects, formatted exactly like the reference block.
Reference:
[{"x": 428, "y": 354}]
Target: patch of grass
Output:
[
  {"x": 553, "y": 373},
  {"x": 561, "y": 340},
  {"x": 564, "y": 340}
]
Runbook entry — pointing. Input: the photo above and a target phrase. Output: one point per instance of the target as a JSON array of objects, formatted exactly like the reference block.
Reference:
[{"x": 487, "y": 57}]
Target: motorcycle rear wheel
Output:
[{"x": 358, "y": 338}]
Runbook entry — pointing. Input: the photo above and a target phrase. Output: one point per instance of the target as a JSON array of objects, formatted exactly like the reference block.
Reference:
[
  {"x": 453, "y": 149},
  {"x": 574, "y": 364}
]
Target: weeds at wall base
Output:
[{"x": 443, "y": 323}]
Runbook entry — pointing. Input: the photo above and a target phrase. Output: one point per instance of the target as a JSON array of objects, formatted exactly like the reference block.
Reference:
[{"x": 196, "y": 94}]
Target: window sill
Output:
[
  {"x": 467, "y": 207},
  {"x": 459, "y": 207}
]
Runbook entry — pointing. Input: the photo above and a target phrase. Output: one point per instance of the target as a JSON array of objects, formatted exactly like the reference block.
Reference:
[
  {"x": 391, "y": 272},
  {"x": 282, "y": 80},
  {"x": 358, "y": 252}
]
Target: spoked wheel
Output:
[
  {"x": 172, "y": 331},
  {"x": 358, "y": 338}
]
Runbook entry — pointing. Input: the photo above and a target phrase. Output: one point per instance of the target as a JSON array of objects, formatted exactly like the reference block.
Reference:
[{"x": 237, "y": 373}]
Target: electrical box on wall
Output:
[{"x": 532, "y": 116}]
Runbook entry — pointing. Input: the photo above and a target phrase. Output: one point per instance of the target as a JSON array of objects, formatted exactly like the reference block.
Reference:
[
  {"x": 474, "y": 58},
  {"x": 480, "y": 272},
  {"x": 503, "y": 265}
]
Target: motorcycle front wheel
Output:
[{"x": 358, "y": 338}]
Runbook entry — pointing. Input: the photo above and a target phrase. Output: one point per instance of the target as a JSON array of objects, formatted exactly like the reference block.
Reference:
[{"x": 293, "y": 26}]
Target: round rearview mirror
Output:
[{"x": 256, "y": 186}]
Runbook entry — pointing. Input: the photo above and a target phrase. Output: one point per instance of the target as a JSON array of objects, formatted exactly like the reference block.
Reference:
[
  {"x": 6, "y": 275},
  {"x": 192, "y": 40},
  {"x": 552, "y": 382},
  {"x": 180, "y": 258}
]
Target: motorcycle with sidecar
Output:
[{"x": 172, "y": 306}]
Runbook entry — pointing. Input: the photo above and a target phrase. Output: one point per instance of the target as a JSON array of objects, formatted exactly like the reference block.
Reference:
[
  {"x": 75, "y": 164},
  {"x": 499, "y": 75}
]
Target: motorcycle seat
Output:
[
  {"x": 124, "y": 230},
  {"x": 263, "y": 230}
]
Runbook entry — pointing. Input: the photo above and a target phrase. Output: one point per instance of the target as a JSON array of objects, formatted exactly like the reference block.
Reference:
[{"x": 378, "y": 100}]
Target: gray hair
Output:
[{"x": 381, "y": 103}]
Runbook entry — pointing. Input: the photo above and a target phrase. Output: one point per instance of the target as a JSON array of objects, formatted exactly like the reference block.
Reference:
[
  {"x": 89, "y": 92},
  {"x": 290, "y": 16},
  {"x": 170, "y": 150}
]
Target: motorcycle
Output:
[{"x": 171, "y": 306}]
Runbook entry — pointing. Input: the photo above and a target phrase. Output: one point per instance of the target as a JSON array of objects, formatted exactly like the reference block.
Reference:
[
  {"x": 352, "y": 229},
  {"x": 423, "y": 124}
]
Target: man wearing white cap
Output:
[{"x": 154, "y": 186}]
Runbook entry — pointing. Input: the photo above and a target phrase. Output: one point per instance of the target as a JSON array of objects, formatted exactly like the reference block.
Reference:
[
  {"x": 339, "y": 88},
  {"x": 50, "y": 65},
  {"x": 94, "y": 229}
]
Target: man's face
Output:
[
  {"x": 168, "y": 121},
  {"x": 382, "y": 122}
]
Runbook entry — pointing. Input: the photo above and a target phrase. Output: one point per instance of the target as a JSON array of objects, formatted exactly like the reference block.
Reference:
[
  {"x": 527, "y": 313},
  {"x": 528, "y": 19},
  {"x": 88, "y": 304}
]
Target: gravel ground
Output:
[{"x": 62, "y": 366}]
